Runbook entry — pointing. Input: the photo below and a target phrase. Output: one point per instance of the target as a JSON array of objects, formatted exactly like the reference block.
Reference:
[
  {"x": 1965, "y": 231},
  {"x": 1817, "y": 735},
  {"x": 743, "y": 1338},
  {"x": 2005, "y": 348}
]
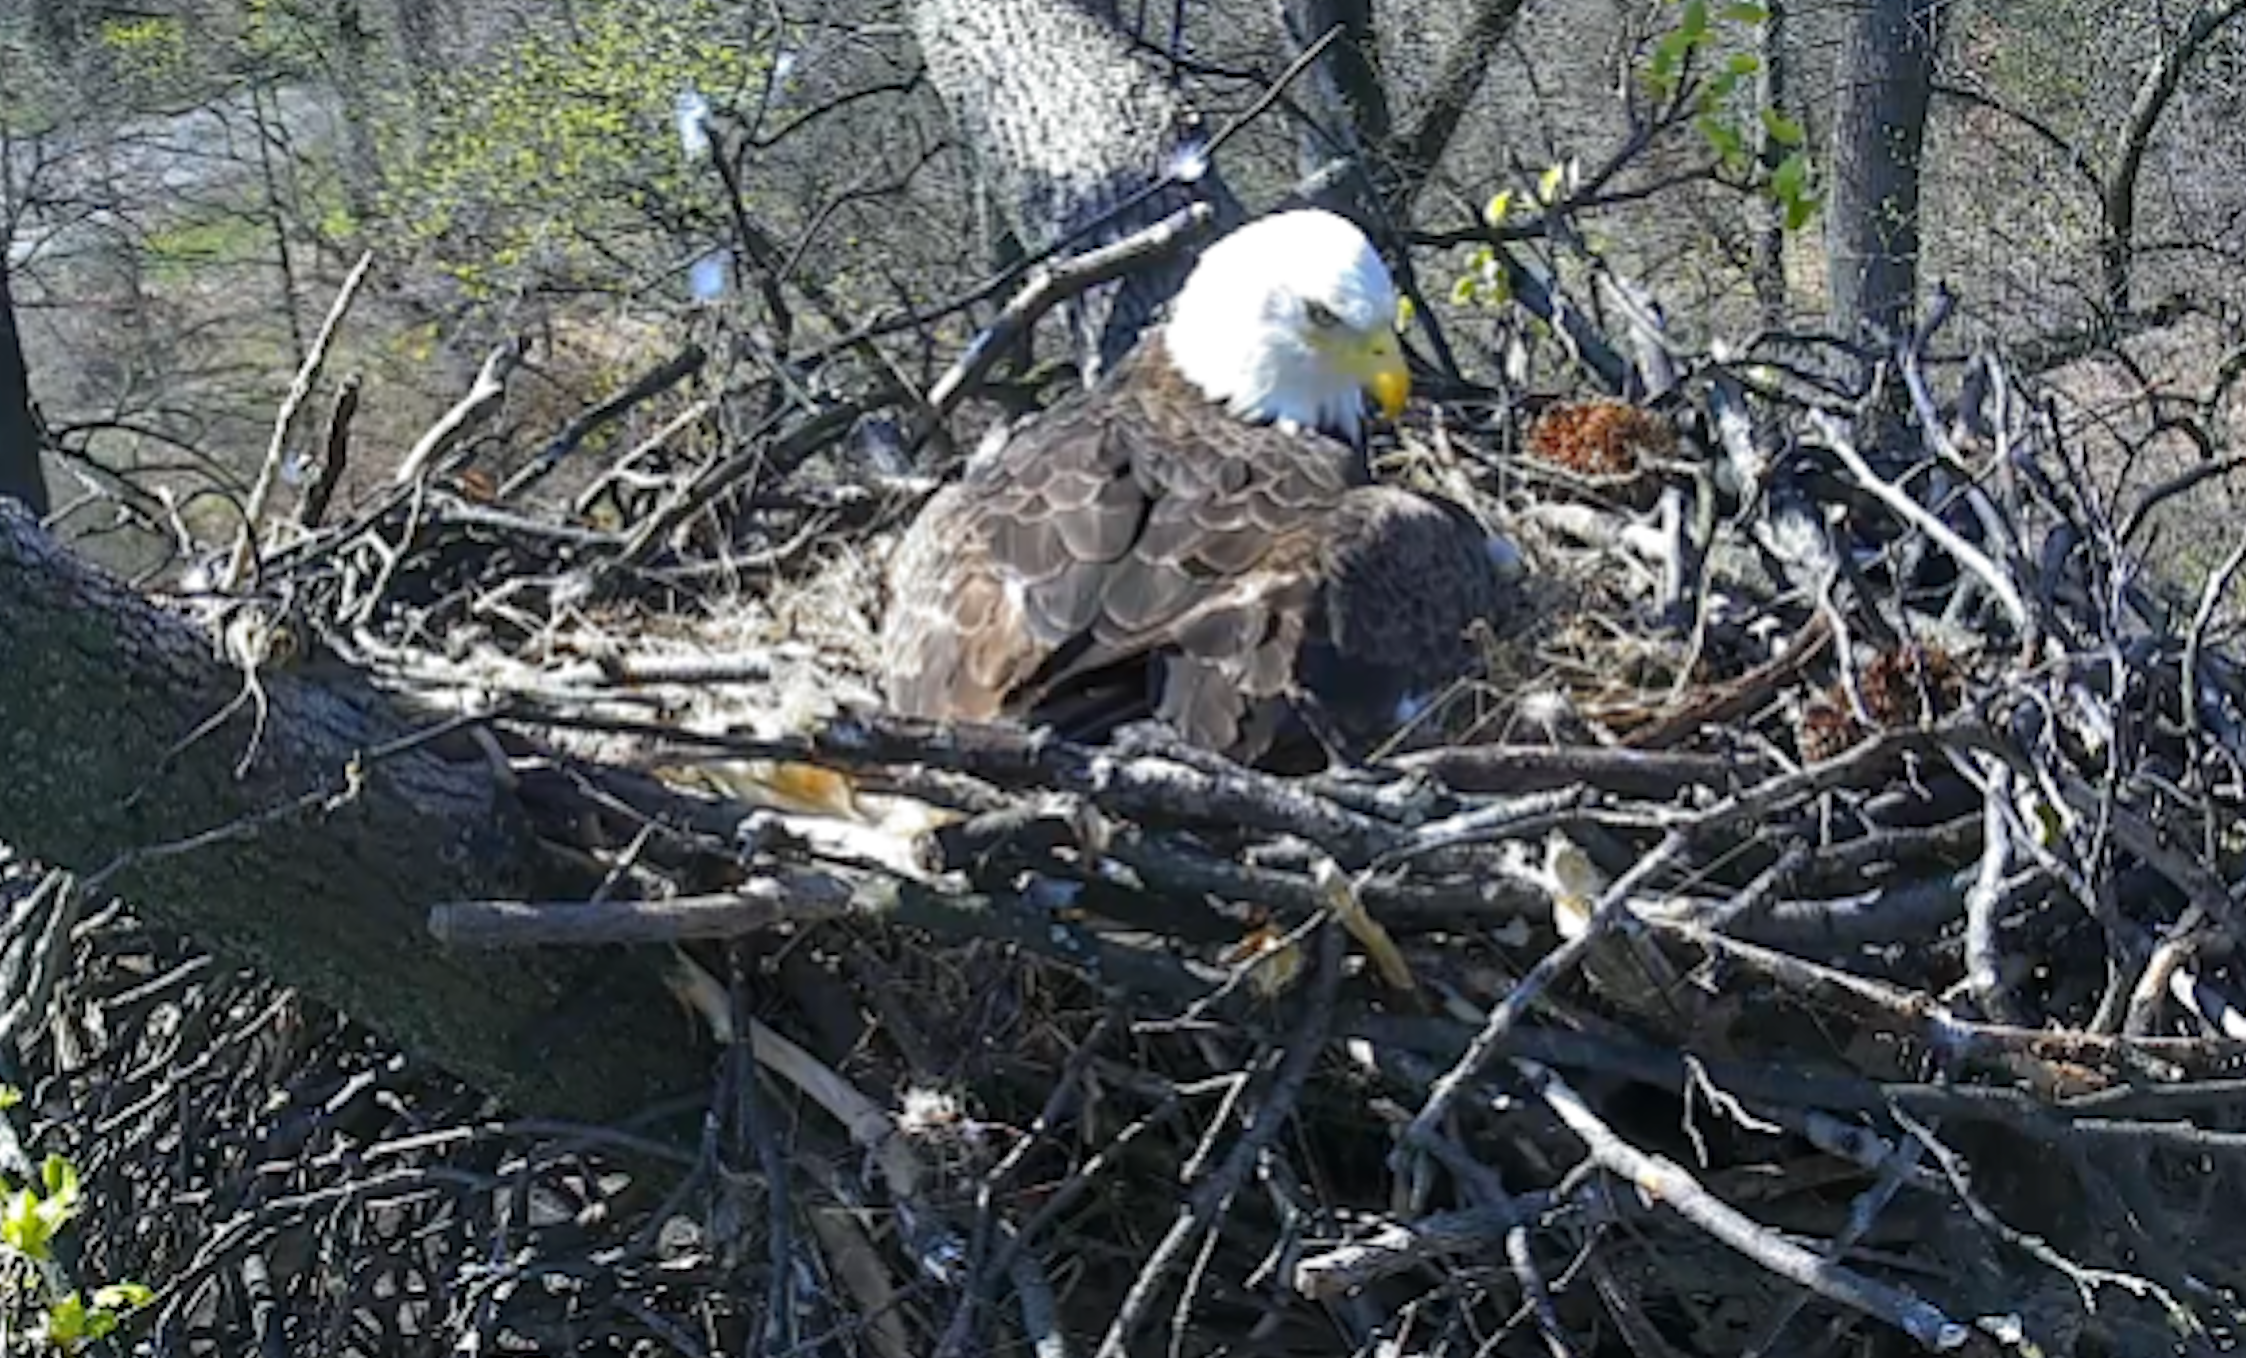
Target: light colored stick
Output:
[
  {"x": 1667, "y": 1183},
  {"x": 491, "y": 384},
  {"x": 1053, "y": 283},
  {"x": 1915, "y": 514},
  {"x": 758, "y": 904},
  {"x": 284, "y": 420}
]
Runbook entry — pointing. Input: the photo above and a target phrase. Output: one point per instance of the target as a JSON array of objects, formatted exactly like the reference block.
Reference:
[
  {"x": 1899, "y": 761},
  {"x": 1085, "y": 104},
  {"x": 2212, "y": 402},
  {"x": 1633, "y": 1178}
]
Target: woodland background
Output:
[
  {"x": 763, "y": 235},
  {"x": 185, "y": 187}
]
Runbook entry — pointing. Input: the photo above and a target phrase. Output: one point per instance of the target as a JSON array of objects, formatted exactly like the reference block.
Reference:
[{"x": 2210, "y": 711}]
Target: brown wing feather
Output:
[
  {"x": 954, "y": 642},
  {"x": 1402, "y": 580},
  {"x": 1139, "y": 522}
]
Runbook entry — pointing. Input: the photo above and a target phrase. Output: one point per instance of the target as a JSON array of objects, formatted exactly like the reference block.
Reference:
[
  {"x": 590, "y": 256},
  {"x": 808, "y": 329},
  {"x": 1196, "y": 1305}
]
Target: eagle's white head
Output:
[{"x": 1291, "y": 318}]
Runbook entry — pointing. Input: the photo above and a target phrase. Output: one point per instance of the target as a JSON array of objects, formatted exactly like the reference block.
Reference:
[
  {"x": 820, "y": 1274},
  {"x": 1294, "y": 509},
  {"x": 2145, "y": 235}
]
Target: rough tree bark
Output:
[
  {"x": 321, "y": 889},
  {"x": 352, "y": 69},
  {"x": 1066, "y": 122},
  {"x": 1345, "y": 88},
  {"x": 20, "y": 477},
  {"x": 1766, "y": 219},
  {"x": 1886, "y": 79},
  {"x": 1879, "y": 133}
]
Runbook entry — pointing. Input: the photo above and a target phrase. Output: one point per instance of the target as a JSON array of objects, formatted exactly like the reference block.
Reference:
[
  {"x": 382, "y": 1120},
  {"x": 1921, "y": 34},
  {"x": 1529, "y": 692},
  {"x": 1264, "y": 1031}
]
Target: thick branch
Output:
[
  {"x": 20, "y": 477},
  {"x": 1055, "y": 283},
  {"x": 1452, "y": 91},
  {"x": 317, "y": 867},
  {"x": 2119, "y": 194},
  {"x": 469, "y": 411},
  {"x": 1346, "y": 89}
]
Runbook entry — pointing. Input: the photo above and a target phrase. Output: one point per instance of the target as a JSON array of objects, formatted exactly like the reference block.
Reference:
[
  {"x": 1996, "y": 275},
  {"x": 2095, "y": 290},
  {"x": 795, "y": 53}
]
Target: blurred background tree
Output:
[
  {"x": 566, "y": 200},
  {"x": 183, "y": 185}
]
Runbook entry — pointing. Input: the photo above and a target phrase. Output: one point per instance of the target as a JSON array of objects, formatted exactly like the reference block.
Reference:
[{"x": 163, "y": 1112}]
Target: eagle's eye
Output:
[{"x": 1320, "y": 315}]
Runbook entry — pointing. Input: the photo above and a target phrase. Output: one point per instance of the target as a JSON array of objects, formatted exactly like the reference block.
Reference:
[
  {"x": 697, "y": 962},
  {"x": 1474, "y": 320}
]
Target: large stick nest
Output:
[{"x": 1813, "y": 933}]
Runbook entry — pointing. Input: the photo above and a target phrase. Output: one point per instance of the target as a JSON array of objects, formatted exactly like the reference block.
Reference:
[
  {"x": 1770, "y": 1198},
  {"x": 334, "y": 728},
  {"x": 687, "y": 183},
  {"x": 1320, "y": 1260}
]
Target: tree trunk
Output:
[
  {"x": 352, "y": 73},
  {"x": 422, "y": 46},
  {"x": 1879, "y": 132},
  {"x": 1766, "y": 218},
  {"x": 2118, "y": 193},
  {"x": 20, "y": 477},
  {"x": 1352, "y": 105},
  {"x": 1066, "y": 122},
  {"x": 335, "y": 852}
]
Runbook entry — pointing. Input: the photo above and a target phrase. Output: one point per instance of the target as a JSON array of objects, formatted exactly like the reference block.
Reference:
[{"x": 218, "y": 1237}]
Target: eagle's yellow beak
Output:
[{"x": 1377, "y": 362}]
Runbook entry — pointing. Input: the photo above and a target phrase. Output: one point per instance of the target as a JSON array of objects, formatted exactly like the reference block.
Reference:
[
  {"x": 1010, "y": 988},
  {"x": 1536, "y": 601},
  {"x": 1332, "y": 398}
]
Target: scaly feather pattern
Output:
[{"x": 1141, "y": 543}]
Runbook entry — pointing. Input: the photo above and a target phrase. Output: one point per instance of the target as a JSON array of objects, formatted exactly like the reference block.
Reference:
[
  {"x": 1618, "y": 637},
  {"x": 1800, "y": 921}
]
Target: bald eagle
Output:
[{"x": 1198, "y": 538}]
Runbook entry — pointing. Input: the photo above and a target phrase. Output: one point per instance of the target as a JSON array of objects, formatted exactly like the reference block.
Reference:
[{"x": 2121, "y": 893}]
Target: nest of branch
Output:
[{"x": 1813, "y": 929}]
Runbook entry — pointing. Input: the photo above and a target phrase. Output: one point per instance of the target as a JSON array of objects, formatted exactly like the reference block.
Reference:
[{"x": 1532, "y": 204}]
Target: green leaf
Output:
[
  {"x": 1549, "y": 184},
  {"x": 1791, "y": 177},
  {"x": 1722, "y": 137},
  {"x": 61, "y": 1203},
  {"x": 1782, "y": 129},
  {"x": 1495, "y": 210},
  {"x": 124, "y": 1296},
  {"x": 10, "y": 1096},
  {"x": 61, "y": 1178},
  {"x": 1668, "y": 59},
  {"x": 1744, "y": 14},
  {"x": 1695, "y": 21},
  {"x": 1743, "y": 63},
  {"x": 23, "y": 1228},
  {"x": 66, "y": 1321},
  {"x": 56, "y": 1213},
  {"x": 1462, "y": 291}
]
